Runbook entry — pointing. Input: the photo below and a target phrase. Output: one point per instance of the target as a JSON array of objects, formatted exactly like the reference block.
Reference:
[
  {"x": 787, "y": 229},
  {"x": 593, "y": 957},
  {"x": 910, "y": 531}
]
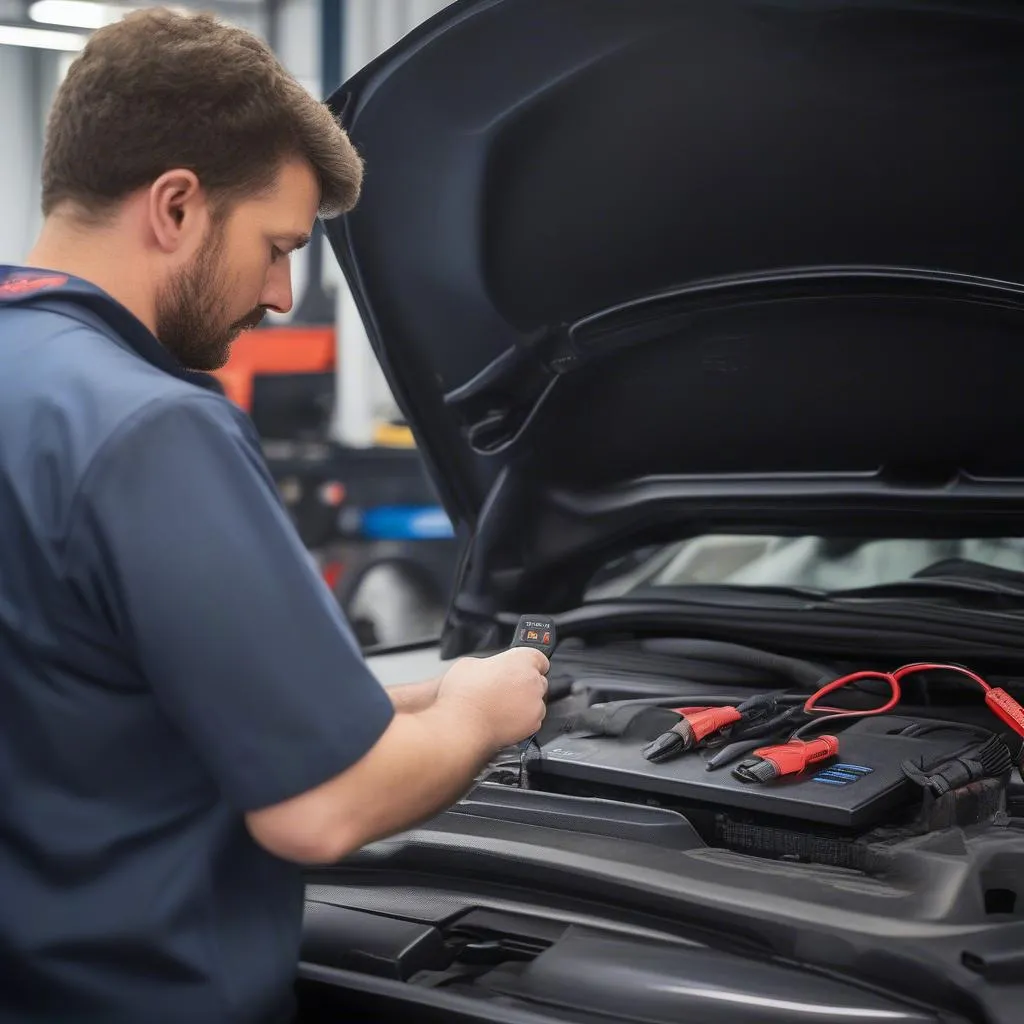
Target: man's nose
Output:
[{"x": 277, "y": 290}]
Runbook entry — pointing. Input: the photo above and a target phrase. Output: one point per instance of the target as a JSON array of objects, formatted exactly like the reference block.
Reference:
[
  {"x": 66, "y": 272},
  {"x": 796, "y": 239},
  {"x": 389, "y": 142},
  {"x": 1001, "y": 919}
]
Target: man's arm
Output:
[
  {"x": 246, "y": 650},
  {"x": 409, "y": 698},
  {"x": 424, "y": 762}
]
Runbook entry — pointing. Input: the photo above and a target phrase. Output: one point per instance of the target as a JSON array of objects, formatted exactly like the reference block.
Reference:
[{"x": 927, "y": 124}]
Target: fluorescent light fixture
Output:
[
  {"x": 81, "y": 13},
  {"x": 41, "y": 38},
  {"x": 72, "y": 13}
]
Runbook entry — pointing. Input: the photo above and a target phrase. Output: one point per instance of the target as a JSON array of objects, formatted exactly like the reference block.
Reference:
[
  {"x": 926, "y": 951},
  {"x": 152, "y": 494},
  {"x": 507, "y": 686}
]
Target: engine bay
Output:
[
  {"x": 741, "y": 743},
  {"x": 682, "y": 790}
]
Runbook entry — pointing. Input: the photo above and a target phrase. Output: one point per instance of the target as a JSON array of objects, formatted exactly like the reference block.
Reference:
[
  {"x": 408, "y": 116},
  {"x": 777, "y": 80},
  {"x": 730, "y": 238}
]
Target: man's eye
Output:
[{"x": 275, "y": 254}]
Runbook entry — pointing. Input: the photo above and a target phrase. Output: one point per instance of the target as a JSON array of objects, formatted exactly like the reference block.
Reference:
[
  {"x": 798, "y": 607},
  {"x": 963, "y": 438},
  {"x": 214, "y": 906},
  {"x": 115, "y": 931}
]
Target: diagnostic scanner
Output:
[{"x": 537, "y": 632}]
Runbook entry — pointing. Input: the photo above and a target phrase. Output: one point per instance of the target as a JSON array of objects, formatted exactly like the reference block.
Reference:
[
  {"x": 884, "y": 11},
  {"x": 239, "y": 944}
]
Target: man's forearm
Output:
[
  {"x": 413, "y": 697},
  {"x": 423, "y": 763},
  {"x": 434, "y": 759}
]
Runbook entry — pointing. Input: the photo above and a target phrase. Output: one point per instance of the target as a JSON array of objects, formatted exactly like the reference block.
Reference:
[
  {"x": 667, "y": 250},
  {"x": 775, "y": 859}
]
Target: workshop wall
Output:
[
  {"x": 28, "y": 78},
  {"x": 22, "y": 72}
]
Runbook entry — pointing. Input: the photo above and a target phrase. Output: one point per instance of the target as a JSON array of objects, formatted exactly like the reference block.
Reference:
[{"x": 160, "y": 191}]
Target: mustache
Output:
[{"x": 250, "y": 320}]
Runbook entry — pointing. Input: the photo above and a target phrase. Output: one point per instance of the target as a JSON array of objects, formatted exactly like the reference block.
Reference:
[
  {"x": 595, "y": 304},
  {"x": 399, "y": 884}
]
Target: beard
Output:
[{"x": 190, "y": 312}]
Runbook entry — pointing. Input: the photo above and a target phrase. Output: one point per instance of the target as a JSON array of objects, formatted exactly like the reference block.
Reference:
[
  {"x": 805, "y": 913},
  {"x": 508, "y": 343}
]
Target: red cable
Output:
[
  {"x": 810, "y": 705},
  {"x": 997, "y": 699},
  {"x": 926, "y": 666},
  {"x": 892, "y": 678}
]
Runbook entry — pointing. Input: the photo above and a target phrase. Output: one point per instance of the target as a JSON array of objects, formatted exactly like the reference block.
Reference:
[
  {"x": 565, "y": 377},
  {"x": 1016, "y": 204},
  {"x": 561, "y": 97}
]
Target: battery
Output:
[{"x": 856, "y": 790}]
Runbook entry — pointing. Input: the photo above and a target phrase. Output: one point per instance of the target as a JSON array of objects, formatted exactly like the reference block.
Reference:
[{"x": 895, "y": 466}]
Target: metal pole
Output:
[
  {"x": 318, "y": 302},
  {"x": 353, "y": 405}
]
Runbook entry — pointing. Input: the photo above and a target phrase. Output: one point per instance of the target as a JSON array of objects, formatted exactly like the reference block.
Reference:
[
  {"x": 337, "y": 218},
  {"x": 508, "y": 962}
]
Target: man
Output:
[{"x": 185, "y": 716}]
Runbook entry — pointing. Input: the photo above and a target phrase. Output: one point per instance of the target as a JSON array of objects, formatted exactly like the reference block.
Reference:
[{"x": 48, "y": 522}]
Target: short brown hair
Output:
[{"x": 159, "y": 90}]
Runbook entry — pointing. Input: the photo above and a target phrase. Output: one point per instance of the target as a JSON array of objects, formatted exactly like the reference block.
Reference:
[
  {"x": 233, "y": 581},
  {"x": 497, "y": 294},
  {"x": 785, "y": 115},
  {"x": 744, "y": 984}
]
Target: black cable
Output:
[
  {"x": 922, "y": 726},
  {"x": 805, "y": 673},
  {"x": 989, "y": 760},
  {"x": 815, "y": 722},
  {"x": 523, "y": 782}
]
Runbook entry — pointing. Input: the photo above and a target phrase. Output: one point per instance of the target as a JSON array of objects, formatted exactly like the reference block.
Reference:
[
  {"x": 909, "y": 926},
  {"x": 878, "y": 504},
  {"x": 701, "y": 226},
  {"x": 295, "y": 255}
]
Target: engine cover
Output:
[{"x": 859, "y": 789}]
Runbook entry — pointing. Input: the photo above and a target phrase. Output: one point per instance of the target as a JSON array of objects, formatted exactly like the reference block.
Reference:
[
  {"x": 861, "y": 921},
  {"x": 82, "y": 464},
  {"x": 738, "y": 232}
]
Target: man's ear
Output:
[{"x": 178, "y": 211}]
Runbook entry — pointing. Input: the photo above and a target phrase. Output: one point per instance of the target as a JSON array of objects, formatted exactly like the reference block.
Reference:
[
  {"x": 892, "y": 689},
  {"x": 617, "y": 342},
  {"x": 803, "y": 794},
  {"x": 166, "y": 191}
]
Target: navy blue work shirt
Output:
[{"x": 169, "y": 660}]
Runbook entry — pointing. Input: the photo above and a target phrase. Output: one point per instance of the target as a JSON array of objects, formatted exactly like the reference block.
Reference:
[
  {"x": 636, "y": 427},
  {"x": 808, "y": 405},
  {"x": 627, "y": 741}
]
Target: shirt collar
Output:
[{"x": 61, "y": 293}]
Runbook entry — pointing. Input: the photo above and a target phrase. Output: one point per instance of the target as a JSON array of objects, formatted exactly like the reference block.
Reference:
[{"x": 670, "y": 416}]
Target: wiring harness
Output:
[
  {"x": 749, "y": 727},
  {"x": 796, "y": 754}
]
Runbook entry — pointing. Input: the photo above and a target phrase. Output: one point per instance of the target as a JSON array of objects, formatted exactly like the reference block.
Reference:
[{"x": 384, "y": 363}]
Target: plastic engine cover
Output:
[{"x": 857, "y": 790}]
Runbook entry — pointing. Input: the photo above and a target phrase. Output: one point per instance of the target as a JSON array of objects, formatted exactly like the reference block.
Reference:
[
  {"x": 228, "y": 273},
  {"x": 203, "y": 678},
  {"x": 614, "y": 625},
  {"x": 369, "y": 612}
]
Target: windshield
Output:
[{"x": 819, "y": 563}]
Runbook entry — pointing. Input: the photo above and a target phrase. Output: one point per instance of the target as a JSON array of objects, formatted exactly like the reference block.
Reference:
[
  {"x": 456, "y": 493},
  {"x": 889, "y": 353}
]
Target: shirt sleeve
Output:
[{"x": 178, "y": 538}]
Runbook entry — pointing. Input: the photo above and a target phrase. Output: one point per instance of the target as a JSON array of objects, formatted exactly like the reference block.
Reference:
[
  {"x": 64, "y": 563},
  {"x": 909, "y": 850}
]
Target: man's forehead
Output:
[{"x": 293, "y": 203}]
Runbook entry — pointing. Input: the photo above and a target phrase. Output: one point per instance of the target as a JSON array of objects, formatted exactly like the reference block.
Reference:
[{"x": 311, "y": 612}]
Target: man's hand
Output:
[
  {"x": 503, "y": 693},
  {"x": 412, "y": 697}
]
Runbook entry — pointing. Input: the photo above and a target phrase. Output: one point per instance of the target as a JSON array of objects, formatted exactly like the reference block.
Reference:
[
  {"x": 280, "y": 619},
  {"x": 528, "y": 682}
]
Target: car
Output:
[{"x": 707, "y": 317}]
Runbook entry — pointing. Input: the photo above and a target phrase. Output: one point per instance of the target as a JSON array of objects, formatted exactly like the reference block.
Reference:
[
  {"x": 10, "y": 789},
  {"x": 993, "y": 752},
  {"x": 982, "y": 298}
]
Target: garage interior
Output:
[{"x": 344, "y": 462}]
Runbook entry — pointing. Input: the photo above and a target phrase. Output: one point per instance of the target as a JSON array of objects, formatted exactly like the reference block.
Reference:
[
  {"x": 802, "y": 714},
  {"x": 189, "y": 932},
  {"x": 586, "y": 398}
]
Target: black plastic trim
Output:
[
  {"x": 581, "y": 815},
  {"x": 369, "y": 943},
  {"x": 395, "y": 1000},
  {"x": 906, "y": 932}
]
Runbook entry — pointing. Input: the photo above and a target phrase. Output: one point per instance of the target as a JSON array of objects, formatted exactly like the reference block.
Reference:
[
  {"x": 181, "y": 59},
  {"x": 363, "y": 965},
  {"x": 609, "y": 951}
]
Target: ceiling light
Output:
[
  {"x": 73, "y": 13},
  {"x": 41, "y": 38}
]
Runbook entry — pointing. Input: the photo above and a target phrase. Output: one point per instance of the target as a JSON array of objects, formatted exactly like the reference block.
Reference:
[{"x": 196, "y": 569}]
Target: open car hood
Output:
[{"x": 636, "y": 270}]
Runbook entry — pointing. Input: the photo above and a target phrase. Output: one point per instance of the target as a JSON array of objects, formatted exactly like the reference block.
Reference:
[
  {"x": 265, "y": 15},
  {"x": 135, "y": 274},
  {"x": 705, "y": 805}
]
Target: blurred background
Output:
[{"x": 344, "y": 461}]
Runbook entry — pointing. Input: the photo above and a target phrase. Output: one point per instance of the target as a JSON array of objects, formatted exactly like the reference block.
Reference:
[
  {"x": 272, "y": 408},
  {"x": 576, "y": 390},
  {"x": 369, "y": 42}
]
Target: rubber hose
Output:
[{"x": 805, "y": 673}]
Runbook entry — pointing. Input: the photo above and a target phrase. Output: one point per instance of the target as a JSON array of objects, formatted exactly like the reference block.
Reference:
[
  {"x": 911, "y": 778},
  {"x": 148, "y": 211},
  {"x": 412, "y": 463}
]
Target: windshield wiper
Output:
[
  {"x": 924, "y": 587},
  {"x": 973, "y": 590},
  {"x": 958, "y": 578}
]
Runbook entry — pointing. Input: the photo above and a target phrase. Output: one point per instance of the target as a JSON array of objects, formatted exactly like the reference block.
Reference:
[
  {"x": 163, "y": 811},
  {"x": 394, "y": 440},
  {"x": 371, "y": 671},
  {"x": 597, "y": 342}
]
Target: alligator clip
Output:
[
  {"x": 749, "y": 735},
  {"x": 694, "y": 725},
  {"x": 790, "y": 758}
]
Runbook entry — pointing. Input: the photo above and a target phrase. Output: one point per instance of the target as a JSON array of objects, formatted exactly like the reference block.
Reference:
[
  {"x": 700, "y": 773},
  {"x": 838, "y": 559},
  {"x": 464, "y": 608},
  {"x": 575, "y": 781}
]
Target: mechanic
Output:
[{"x": 186, "y": 718}]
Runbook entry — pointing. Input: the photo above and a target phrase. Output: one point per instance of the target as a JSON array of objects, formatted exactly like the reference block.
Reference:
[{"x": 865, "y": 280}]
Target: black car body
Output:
[{"x": 648, "y": 274}]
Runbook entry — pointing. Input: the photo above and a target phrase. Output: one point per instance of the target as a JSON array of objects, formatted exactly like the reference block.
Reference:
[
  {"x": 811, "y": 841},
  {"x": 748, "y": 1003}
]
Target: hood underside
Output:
[{"x": 640, "y": 270}]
